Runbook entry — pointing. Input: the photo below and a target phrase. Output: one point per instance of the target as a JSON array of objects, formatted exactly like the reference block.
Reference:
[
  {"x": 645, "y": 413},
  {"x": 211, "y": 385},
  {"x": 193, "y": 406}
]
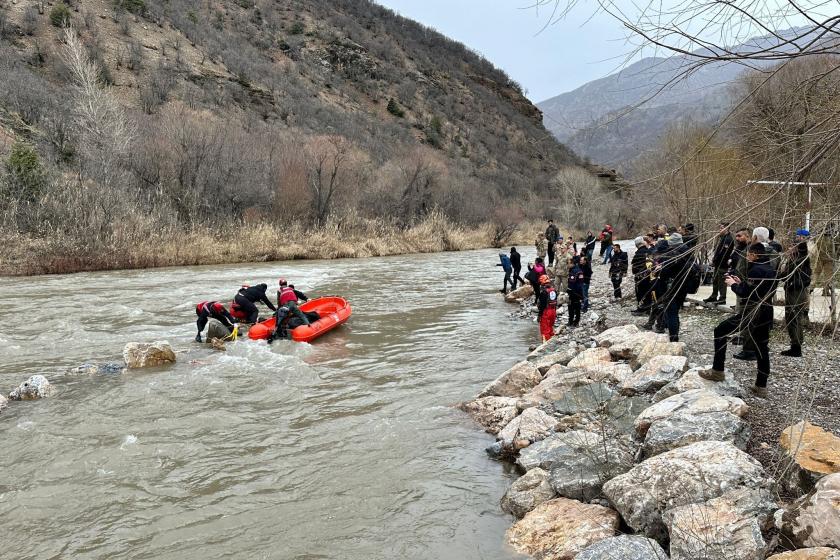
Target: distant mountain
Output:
[{"x": 614, "y": 119}]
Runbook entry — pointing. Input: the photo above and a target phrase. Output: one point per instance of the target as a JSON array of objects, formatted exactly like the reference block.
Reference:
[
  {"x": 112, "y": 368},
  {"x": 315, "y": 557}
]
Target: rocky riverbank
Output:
[{"x": 626, "y": 452}]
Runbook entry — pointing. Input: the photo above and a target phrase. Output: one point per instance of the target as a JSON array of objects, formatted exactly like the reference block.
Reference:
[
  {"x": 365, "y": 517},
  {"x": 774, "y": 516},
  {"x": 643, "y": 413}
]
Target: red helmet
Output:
[
  {"x": 544, "y": 279},
  {"x": 282, "y": 282}
]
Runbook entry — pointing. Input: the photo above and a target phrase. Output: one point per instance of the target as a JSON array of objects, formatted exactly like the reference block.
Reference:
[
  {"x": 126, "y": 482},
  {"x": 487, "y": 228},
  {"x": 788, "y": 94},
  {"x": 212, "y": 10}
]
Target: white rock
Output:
[
  {"x": 655, "y": 374},
  {"x": 591, "y": 357},
  {"x": 515, "y": 382},
  {"x": 691, "y": 402},
  {"x": 491, "y": 412},
  {"x": 139, "y": 354},
  {"x": 531, "y": 426},
  {"x": 527, "y": 492}
]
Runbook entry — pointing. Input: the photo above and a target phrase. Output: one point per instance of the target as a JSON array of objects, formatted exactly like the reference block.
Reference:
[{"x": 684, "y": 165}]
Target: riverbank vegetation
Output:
[{"x": 135, "y": 134}]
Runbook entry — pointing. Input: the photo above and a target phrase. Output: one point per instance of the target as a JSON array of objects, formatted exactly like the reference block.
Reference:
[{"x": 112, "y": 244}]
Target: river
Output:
[{"x": 347, "y": 448}]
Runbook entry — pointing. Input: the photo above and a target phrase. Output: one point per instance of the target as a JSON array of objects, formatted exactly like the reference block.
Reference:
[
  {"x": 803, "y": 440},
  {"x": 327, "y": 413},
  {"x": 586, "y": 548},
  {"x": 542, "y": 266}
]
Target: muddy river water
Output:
[{"x": 347, "y": 448}]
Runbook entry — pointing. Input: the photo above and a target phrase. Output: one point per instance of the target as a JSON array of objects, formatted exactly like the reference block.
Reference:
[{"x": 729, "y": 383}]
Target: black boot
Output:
[
  {"x": 794, "y": 352},
  {"x": 745, "y": 355},
  {"x": 198, "y": 337}
]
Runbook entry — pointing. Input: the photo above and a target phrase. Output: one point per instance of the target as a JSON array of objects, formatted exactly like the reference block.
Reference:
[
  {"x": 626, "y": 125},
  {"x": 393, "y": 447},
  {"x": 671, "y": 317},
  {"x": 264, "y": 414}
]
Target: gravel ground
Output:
[{"x": 807, "y": 387}]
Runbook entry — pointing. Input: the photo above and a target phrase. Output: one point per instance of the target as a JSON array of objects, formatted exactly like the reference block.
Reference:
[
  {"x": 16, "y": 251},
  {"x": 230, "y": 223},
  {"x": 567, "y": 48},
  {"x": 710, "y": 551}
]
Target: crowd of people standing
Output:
[{"x": 666, "y": 268}]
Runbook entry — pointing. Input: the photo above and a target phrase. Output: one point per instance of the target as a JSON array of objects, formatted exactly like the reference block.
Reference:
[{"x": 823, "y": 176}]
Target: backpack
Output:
[{"x": 694, "y": 278}]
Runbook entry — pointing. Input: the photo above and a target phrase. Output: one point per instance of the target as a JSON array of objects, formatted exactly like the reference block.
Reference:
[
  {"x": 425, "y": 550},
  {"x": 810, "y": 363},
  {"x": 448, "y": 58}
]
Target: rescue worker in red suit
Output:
[
  {"x": 546, "y": 307},
  {"x": 212, "y": 310},
  {"x": 288, "y": 296}
]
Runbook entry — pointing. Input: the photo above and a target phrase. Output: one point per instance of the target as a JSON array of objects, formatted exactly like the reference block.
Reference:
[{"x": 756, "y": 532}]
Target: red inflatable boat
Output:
[{"x": 333, "y": 310}]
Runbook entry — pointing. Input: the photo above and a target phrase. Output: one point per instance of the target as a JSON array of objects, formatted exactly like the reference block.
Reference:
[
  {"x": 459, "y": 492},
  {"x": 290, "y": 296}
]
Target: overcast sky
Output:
[{"x": 509, "y": 33}]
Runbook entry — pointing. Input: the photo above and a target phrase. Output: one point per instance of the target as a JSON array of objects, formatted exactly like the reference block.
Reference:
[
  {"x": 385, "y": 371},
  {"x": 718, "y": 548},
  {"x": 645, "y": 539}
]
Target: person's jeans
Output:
[
  {"x": 672, "y": 314},
  {"x": 507, "y": 281},
  {"x": 586, "y": 297},
  {"x": 607, "y": 254}
]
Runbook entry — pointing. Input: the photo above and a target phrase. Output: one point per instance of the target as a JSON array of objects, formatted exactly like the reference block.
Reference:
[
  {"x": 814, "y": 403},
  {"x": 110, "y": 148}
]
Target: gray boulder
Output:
[
  {"x": 527, "y": 492},
  {"x": 153, "y": 354},
  {"x": 36, "y": 387},
  {"x": 691, "y": 380},
  {"x": 531, "y": 426},
  {"x": 623, "y": 547},
  {"x": 690, "y": 402},
  {"x": 216, "y": 329},
  {"x": 655, "y": 374},
  {"x": 110, "y": 368},
  {"x": 692, "y": 474},
  {"x": 493, "y": 413},
  {"x": 579, "y": 462},
  {"x": 728, "y": 527},
  {"x": 563, "y": 357},
  {"x": 683, "y": 429},
  {"x": 515, "y": 382},
  {"x": 550, "y": 346},
  {"x": 813, "y": 520},
  {"x": 585, "y": 398},
  {"x": 612, "y": 372},
  {"x": 591, "y": 357},
  {"x": 556, "y": 383}
]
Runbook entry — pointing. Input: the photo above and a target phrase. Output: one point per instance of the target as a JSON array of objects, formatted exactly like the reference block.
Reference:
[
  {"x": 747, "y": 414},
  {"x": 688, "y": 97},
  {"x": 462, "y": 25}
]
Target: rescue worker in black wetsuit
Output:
[
  {"x": 246, "y": 298},
  {"x": 212, "y": 310}
]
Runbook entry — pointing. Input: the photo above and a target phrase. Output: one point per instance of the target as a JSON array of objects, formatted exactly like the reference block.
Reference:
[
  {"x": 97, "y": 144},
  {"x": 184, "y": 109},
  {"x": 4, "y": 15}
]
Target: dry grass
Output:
[{"x": 147, "y": 247}]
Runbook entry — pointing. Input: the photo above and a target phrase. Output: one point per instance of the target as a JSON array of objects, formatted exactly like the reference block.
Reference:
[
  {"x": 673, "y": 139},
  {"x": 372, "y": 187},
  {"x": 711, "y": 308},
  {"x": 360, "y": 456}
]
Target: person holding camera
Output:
[{"x": 755, "y": 318}]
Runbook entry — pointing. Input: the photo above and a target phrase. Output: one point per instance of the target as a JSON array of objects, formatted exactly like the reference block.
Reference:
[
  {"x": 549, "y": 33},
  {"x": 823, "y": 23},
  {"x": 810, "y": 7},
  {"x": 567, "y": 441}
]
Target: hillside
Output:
[
  {"x": 615, "y": 119},
  {"x": 254, "y": 110}
]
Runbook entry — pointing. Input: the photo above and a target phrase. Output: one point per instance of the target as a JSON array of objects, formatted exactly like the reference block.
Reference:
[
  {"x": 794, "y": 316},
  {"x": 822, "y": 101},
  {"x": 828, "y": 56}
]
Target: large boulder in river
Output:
[
  {"x": 817, "y": 553},
  {"x": 36, "y": 387},
  {"x": 692, "y": 474},
  {"x": 814, "y": 519},
  {"x": 527, "y": 492},
  {"x": 515, "y": 382},
  {"x": 493, "y": 413},
  {"x": 559, "y": 529},
  {"x": 811, "y": 453},
  {"x": 591, "y": 357},
  {"x": 655, "y": 374},
  {"x": 215, "y": 329},
  {"x": 623, "y": 547},
  {"x": 728, "y": 527},
  {"x": 691, "y": 402},
  {"x": 141, "y": 354},
  {"x": 579, "y": 462},
  {"x": 531, "y": 426},
  {"x": 691, "y": 380}
]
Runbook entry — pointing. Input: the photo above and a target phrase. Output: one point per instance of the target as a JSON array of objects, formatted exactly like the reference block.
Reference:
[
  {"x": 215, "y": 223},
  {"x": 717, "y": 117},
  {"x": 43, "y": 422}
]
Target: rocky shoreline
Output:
[{"x": 627, "y": 453}]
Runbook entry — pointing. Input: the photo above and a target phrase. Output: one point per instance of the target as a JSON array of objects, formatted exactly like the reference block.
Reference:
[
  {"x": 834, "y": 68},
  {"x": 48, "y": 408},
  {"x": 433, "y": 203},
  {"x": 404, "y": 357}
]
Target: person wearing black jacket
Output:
[
  {"x": 575, "y": 290},
  {"x": 676, "y": 265},
  {"x": 618, "y": 269},
  {"x": 585, "y": 265},
  {"x": 720, "y": 263},
  {"x": 248, "y": 296},
  {"x": 797, "y": 275},
  {"x": 757, "y": 315},
  {"x": 589, "y": 245},
  {"x": 516, "y": 263}
]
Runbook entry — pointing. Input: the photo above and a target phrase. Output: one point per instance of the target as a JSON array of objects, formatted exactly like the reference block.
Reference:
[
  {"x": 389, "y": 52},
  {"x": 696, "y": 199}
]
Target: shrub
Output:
[
  {"x": 134, "y": 6},
  {"x": 297, "y": 28},
  {"x": 60, "y": 15},
  {"x": 26, "y": 178},
  {"x": 395, "y": 109}
]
